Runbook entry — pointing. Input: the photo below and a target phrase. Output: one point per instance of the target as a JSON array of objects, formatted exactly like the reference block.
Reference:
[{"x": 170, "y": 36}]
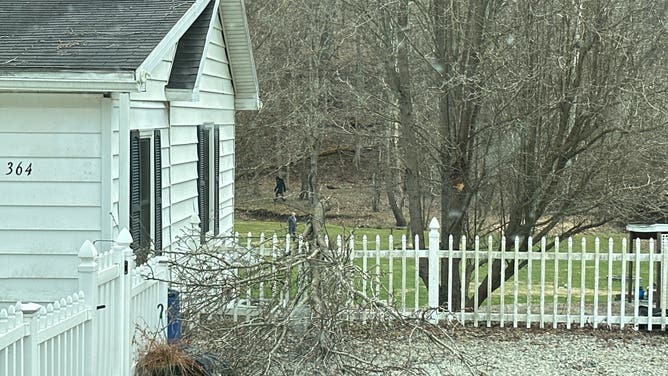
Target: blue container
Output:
[
  {"x": 641, "y": 293},
  {"x": 173, "y": 319}
]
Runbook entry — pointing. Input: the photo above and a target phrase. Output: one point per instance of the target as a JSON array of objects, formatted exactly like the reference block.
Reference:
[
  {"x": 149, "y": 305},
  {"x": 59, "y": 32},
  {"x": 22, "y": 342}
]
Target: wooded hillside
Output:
[{"x": 505, "y": 115}]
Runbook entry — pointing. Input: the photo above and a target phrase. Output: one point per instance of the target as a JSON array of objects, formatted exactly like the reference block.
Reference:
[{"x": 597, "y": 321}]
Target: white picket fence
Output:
[
  {"x": 594, "y": 291},
  {"x": 95, "y": 330}
]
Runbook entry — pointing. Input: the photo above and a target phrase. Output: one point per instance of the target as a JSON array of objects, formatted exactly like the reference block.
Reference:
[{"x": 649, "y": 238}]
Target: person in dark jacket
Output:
[{"x": 280, "y": 189}]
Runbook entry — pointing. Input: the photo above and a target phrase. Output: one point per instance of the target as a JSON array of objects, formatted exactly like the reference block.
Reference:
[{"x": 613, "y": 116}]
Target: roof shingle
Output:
[{"x": 108, "y": 35}]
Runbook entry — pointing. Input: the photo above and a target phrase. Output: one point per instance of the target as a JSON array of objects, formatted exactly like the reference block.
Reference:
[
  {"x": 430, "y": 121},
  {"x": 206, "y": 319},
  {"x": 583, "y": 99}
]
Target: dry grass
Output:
[{"x": 159, "y": 358}]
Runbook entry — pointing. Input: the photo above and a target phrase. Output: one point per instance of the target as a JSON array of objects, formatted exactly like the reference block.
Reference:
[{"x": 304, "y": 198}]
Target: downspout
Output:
[{"x": 124, "y": 160}]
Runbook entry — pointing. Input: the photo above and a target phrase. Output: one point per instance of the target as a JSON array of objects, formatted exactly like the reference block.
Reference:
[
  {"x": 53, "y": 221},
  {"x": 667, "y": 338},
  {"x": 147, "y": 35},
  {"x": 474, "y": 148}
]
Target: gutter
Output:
[{"x": 64, "y": 81}]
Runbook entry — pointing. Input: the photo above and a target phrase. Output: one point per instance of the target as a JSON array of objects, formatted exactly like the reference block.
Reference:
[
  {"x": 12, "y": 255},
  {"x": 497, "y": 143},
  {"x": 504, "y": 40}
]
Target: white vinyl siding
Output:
[
  {"x": 47, "y": 215},
  {"x": 183, "y": 160},
  {"x": 215, "y": 106},
  {"x": 149, "y": 111},
  {"x": 227, "y": 163}
]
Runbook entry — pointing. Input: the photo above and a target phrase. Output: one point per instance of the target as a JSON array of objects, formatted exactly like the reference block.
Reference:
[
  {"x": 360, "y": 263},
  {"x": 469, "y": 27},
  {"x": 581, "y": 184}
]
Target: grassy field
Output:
[{"x": 395, "y": 277}]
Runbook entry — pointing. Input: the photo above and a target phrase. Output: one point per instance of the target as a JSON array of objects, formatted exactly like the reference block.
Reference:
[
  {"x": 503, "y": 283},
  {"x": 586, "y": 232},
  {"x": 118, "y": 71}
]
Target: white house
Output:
[{"x": 114, "y": 114}]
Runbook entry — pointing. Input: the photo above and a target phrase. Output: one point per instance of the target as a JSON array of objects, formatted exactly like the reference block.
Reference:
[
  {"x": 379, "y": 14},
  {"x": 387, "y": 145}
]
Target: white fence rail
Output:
[
  {"x": 91, "y": 332},
  {"x": 567, "y": 284}
]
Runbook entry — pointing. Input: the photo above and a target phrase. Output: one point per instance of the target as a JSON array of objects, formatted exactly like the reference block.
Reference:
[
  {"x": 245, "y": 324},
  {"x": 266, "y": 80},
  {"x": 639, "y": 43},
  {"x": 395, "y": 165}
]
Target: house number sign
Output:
[{"x": 19, "y": 168}]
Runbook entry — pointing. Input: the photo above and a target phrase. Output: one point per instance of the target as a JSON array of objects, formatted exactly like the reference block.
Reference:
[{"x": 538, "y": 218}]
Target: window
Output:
[
  {"x": 208, "y": 179},
  {"x": 145, "y": 190}
]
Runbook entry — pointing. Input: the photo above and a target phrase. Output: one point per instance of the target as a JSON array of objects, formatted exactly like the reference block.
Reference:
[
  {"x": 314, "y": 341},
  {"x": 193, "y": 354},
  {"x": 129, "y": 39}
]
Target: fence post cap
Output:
[
  {"x": 124, "y": 238},
  {"x": 87, "y": 250},
  {"x": 194, "y": 219},
  {"x": 30, "y": 308},
  {"x": 433, "y": 225}
]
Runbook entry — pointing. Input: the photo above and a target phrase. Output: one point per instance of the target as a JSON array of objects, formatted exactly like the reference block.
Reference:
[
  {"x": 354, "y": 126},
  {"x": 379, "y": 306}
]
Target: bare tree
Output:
[
  {"x": 515, "y": 117},
  {"x": 266, "y": 312}
]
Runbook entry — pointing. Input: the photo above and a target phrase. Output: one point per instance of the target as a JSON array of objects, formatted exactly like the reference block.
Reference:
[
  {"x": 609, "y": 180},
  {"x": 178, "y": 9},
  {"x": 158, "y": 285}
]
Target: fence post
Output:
[
  {"x": 124, "y": 254},
  {"x": 163, "y": 285},
  {"x": 88, "y": 285},
  {"x": 31, "y": 313},
  {"x": 434, "y": 264},
  {"x": 663, "y": 289},
  {"x": 120, "y": 250}
]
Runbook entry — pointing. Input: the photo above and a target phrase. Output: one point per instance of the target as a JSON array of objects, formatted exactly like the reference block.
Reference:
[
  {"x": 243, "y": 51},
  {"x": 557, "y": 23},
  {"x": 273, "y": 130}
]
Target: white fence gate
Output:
[
  {"x": 93, "y": 331},
  {"x": 567, "y": 284}
]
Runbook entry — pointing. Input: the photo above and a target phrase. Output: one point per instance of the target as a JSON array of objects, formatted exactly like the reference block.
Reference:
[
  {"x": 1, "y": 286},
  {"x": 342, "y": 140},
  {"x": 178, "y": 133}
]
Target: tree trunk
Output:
[
  {"x": 318, "y": 213},
  {"x": 304, "y": 180},
  {"x": 408, "y": 137},
  {"x": 392, "y": 176},
  {"x": 375, "y": 195},
  {"x": 392, "y": 170}
]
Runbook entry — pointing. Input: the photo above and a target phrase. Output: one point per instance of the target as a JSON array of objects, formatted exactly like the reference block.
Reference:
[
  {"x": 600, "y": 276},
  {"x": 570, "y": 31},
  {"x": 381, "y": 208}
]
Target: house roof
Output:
[
  {"x": 84, "y": 34},
  {"x": 111, "y": 45}
]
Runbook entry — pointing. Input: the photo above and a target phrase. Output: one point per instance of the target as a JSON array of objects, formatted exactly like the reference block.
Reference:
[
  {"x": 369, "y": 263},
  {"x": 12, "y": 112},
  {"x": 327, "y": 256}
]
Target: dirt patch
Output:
[{"x": 346, "y": 191}]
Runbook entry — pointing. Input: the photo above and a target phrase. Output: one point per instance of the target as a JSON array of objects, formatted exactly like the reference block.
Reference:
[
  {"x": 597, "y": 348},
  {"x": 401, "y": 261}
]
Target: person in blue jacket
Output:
[{"x": 292, "y": 225}]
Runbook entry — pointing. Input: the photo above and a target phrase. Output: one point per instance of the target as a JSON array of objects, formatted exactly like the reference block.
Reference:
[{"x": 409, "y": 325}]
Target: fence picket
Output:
[
  {"x": 597, "y": 254},
  {"x": 274, "y": 256},
  {"x": 516, "y": 282},
  {"x": 377, "y": 274},
  {"x": 390, "y": 267},
  {"x": 650, "y": 287},
  {"x": 502, "y": 287},
  {"x": 285, "y": 292},
  {"x": 450, "y": 255},
  {"x": 462, "y": 280},
  {"x": 555, "y": 299},
  {"x": 416, "y": 275},
  {"x": 664, "y": 279},
  {"x": 4, "y": 321},
  {"x": 365, "y": 276},
  {"x": 403, "y": 274},
  {"x": 490, "y": 261},
  {"x": 583, "y": 281},
  {"x": 476, "y": 279},
  {"x": 261, "y": 255},
  {"x": 351, "y": 246},
  {"x": 569, "y": 283},
  {"x": 250, "y": 258},
  {"x": 610, "y": 294},
  {"x": 622, "y": 303},
  {"x": 433, "y": 268},
  {"x": 543, "y": 255},
  {"x": 636, "y": 285},
  {"x": 365, "y": 265},
  {"x": 529, "y": 275}
]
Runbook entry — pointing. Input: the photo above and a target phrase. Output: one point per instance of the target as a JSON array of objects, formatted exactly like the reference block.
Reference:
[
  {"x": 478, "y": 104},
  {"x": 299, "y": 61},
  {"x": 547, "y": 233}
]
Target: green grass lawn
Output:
[{"x": 385, "y": 278}]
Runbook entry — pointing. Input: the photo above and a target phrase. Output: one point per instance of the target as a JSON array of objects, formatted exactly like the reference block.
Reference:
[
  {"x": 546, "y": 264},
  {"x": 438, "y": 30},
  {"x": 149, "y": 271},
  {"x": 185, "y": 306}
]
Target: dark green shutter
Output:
[
  {"x": 203, "y": 178},
  {"x": 135, "y": 205},
  {"x": 157, "y": 184},
  {"x": 216, "y": 181}
]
